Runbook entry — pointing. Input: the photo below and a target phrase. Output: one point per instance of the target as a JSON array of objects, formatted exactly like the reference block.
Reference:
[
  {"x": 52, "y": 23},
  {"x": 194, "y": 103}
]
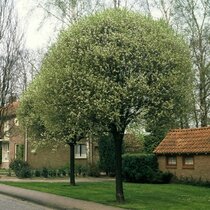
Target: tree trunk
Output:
[
  {"x": 203, "y": 97},
  {"x": 118, "y": 139},
  {"x": 72, "y": 164},
  {"x": 116, "y": 3}
]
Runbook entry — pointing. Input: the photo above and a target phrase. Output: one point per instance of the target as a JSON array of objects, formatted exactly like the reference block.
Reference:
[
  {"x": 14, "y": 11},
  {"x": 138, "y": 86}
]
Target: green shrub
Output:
[
  {"x": 52, "y": 172},
  {"x": 58, "y": 173},
  {"x": 160, "y": 177},
  {"x": 21, "y": 168},
  {"x": 143, "y": 168},
  {"x": 192, "y": 181},
  {"x": 166, "y": 177},
  {"x": 45, "y": 172},
  {"x": 93, "y": 170},
  {"x": 107, "y": 154},
  {"x": 81, "y": 170},
  {"x": 37, "y": 173},
  {"x": 62, "y": 172},
  {"x": 139, "y": 167}
]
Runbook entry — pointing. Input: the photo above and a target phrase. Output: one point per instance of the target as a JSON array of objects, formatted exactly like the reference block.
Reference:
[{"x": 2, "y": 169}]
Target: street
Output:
[{"x": 10, "y": 203}]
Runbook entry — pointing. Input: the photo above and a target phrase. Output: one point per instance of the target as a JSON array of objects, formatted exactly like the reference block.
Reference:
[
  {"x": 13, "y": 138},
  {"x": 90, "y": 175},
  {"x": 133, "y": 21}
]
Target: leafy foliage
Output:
[
  {"x": 107, "y": 154},
  {"x": 104, "y": 71},
  {"x": 144, "y": 169},
  {"x": 21, "y": 168},
  {"x": 93, "y": 170}
]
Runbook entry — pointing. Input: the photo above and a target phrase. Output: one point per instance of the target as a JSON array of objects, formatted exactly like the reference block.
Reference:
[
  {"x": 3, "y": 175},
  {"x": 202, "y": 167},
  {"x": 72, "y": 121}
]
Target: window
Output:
[
  {"x": 171, "y": 161},
  {"x": 188, "y": 162},
  {"x": 6, "y": 130},
  {"x": 5, "y": 152},
  {"x": 19, "y": 151},
  {"x": 80, "y": 151}
]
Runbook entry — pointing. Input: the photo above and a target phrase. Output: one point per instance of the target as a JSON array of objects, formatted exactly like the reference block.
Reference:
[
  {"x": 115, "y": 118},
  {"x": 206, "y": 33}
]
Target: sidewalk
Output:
[{"x": 50, "y": 200}]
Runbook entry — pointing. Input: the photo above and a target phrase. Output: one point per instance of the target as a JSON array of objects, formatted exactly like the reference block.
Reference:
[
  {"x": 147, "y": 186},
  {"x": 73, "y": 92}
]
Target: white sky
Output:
[
  {"x": 31, "y": 17},
  {"x": 30, "y": 20}
]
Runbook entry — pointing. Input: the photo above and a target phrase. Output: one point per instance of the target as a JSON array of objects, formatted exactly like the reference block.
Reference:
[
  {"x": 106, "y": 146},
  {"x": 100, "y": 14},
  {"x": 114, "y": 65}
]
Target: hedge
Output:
[{"x": 143, "y": 168}]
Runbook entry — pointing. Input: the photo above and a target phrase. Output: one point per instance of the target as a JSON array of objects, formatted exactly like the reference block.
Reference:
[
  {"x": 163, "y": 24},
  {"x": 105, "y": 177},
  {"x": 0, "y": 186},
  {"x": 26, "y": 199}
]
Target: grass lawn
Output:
[{"x": 138, "y": 196}]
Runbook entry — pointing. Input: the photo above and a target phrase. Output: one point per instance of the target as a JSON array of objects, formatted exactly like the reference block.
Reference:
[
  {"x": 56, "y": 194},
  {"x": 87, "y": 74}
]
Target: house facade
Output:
[
  {"x": 49, "y": 156},
  {"x": 186, "y": 153},
  {"x": 11, "y": 142},
  {"x": 14, "y": 144}
]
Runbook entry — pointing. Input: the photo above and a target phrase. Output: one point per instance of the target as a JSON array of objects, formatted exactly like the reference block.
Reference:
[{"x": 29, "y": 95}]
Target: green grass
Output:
[{"x": 138, "y": 196}]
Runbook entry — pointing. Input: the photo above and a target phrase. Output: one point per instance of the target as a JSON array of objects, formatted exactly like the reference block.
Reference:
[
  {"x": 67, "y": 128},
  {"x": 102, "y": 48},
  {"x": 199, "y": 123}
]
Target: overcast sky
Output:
[
  {"x": 31, "y": 17},
  {"x": 30, "y": 20}
]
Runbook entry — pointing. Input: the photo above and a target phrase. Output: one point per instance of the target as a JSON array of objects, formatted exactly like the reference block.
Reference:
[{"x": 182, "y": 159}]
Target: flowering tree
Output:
[{"x": 104, "y": 71}]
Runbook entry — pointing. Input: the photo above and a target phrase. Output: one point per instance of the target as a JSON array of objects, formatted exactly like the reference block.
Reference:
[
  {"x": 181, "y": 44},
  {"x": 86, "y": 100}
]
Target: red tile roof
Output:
[{"x": 194, "y": 140}]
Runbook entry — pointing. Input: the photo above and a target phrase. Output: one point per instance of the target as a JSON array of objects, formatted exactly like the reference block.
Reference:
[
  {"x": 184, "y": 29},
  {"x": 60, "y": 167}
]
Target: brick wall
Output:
[
  {"x": 201, "y": 169},
  {"x": 50, "y": 158},
  {"x": 47, "y": 156},
  {"x": 14, "y": 138}
]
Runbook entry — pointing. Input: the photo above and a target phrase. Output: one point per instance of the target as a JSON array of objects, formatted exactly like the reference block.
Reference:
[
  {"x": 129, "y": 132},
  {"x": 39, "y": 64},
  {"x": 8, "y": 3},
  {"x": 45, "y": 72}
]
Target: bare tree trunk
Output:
[
  {"x": 116, "y": 3},
  {"x": 10, "y": 48},
  {"x": 191, "y": 17},
  {"x": 66, "y": 12}
]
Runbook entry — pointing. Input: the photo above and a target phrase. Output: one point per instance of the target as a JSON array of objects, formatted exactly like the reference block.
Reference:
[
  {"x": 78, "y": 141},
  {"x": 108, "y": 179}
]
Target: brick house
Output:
[
  {"x": 186, "y": 153},
  {"x": 11, "y": 142},
  {"x": 14, "y": 144}
]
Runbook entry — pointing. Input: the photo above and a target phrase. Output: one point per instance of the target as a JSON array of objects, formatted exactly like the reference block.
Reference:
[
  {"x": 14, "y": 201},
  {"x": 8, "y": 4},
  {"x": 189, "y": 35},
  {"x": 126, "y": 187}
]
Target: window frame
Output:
[
  {"x": 188, "y": 166},
  {"x": 5, "y": 152},
  {"x": 80, "y": 154},
  {"x": 171, "y": 165}
]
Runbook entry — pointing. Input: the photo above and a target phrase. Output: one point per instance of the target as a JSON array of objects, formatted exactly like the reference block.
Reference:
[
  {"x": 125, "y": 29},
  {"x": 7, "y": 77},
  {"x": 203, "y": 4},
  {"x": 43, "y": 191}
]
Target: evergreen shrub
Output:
[
  {"x": 93, "y": 170},
  {"x": 45, "y": 172},
  {"x": 81, "y": 170},
  {"x": 143, "y": 168},
  {"x": 107, "y": 154},
  {"x": 37, "y": 173},
  {"x": 21, "y": 168}
]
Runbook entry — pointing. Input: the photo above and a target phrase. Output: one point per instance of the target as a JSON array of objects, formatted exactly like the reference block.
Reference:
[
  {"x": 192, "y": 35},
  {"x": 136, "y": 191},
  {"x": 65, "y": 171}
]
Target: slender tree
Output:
[
  {"x": 10, "y": 51},
  {"x": 195, "y": 16},
  {"x": 66, "y": 12},
  {"x": 191, "y": 18}
]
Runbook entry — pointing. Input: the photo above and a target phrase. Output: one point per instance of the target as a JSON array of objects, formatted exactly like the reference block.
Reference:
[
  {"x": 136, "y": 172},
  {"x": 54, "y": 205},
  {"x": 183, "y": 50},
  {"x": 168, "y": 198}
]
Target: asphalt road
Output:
[{"x": 10, "y": 203}]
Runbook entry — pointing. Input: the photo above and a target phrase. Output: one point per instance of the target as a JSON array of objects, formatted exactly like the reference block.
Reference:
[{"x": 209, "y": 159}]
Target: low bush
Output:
[
  {"x": 21, "y": 168},
  {"x": 106, "y": 154},
  {"x": 93, "y": 170},
  {"x": 81, "y": 170},
  {"x": 160, "y": 177},
  {"x": 52, "y": 173},
  {"x": 45, "y": 172},
  {"x": 37, "y": 173},
  {"x": 143, "y": 168},
  {"x": 192, "y": 181},
  {"x": 62, "y": 172}
]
